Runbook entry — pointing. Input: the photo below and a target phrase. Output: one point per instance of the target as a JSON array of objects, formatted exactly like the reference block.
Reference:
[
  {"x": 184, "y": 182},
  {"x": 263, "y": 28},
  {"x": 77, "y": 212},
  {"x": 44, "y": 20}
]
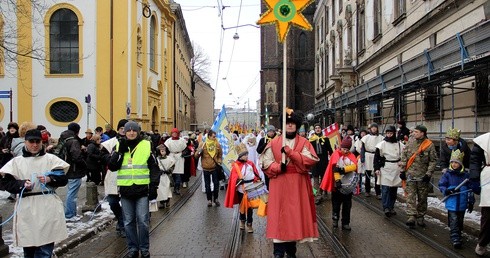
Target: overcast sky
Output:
[{"x": 236, "y": 78}]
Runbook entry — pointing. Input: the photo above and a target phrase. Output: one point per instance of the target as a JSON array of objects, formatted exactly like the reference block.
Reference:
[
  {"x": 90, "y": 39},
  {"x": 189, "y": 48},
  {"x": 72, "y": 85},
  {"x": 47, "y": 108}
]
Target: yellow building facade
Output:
[{"x": 94, "y": 63}]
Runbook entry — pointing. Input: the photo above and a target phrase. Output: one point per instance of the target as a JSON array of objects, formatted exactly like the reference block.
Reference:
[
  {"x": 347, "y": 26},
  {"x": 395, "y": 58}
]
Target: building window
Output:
[
  {"x": 341, "y": 6},
  {"x": 326, "y": 66},
  {"x": 377, "y": 19},
  {"x": 399, "y": 8},
  {"x": 64, "y": 111},
  {"x": 63, "y": 42},
  {"x": 333, "y": 13},
  {"x": 361, "y": 28},
  {"x": 482, "y": 89},
  {"x": 432, "y": 102},
  {"x": 153, "y": 42}
]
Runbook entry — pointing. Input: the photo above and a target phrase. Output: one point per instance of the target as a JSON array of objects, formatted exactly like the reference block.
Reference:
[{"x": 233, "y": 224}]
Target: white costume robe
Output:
[
  {"x": 176, "y": 147},
  {"x": 40, "y": 219},
  {"x": 390, "y": 173},
  {"x": 164, "y": 191}
]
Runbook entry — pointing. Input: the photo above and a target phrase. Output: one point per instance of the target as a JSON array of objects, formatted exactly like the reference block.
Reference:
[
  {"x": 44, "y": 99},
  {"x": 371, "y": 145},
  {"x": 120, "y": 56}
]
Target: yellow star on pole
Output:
[{"x": 284, "y": 13}]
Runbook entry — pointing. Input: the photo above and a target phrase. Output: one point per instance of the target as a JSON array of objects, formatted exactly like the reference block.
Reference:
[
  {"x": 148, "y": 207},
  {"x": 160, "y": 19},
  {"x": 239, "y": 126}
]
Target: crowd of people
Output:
[{"x": 302, "y": 168}]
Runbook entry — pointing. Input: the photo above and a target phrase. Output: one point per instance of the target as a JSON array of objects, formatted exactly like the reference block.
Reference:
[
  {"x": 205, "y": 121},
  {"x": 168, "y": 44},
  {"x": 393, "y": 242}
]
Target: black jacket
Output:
[
  {"x": 94, "y": 157},
  {"x": 323, "y": 149},
  {"x": 137, "y": 191},
  {"x": 75, "y": 157},
  {"x": 445, "y": 155}
]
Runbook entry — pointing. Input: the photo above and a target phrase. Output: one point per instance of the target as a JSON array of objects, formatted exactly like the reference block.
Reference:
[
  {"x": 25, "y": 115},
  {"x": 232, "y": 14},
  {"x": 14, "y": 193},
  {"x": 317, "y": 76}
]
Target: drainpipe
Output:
[
  {"x": 175, "y": 88},
  {"x": 111, "y": 65}
]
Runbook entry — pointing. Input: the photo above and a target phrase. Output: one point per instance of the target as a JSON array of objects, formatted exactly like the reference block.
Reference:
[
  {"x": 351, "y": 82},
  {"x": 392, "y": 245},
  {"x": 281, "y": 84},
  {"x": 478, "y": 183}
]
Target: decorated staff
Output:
[{"x": 287, "y": 160}]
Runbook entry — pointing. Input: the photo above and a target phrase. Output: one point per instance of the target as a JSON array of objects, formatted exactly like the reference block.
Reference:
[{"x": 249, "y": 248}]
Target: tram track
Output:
[
  {"x": 447, "y": 252},
  {"x": 173, "y": 210}
]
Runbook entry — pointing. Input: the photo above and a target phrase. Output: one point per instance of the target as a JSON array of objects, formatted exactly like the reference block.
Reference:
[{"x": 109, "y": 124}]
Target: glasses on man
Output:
[{"x": 34, "y": 141}]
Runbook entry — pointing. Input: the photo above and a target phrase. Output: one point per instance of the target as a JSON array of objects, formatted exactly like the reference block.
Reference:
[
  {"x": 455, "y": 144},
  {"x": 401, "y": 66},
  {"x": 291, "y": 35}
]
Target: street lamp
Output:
[{"x": 236, "y": 37}]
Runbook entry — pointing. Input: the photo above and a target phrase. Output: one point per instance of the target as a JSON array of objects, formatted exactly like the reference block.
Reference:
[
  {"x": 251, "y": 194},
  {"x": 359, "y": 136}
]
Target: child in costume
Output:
[
  {"x": 243, "y": 174},
  {"x": 458, "y": 199},
  {"x": 166, "y": 165}
]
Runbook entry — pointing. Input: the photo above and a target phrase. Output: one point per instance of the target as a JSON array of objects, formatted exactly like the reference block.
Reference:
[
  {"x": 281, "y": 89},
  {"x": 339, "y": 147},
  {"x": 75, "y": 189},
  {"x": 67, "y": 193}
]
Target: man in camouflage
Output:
[{"x": 418, "y": 162}]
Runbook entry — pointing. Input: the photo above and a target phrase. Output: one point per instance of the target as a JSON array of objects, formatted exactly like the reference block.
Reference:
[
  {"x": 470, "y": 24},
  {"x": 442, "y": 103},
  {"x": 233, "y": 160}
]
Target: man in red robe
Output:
[{"x": 291, "y": 212}]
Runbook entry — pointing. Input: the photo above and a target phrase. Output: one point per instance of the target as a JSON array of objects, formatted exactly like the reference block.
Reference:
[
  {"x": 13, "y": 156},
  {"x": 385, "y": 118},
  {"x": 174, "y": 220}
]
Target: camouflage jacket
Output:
[{"x": 424, "y": 163}]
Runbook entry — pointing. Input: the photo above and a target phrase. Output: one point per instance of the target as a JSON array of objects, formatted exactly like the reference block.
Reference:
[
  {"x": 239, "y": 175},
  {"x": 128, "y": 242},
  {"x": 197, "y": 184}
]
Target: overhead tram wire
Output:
[
  {"x": 234, "y": 41},
  {"x": 220, "y": 14}
]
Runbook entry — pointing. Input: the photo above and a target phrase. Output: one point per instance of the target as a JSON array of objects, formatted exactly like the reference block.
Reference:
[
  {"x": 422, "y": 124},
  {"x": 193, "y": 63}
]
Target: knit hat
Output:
[
  {"x": 132, "y": 126},
  {"x": 453, "y": 133},
  {"x": 373, "y": 125},
  {"x": 74, "y": 127},
  {"x": 421, "y": 128},
  {"x": 14, "y": 125},
  {"x": 160, "y": 147},
  {"x": 457, "y": 156},
  {"x": 302, "y": 129},
  {"x": 390, "y": 128},
  {"x": 121, "y": 123},
  {"x": 241, "y": 150},
  {"x": 346, "y": 143},
  {"x": 271, "y": 128},
  {"x": 175, "y": 130},
  {"x": 33, "y": 134}
]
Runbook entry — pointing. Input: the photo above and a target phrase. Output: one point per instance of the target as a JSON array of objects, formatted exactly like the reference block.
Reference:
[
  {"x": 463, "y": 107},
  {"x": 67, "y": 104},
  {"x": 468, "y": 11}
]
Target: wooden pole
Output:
[{"x": 284, "y": 85}]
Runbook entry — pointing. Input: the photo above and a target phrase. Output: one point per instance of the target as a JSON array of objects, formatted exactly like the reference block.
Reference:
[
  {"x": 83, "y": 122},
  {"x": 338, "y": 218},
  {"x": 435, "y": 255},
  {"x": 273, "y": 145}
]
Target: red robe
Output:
[
  {"x": 328, "y": 178},
  {"x": 231, "y": 197},
  {"x": 291, "y": 211}
]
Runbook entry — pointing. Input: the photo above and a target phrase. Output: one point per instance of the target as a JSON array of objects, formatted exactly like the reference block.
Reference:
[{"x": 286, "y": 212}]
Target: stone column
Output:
[{"x": 92, "y": 198}]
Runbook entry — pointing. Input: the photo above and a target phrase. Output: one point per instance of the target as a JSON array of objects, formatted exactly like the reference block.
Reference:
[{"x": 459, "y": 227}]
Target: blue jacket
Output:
[{"x": 451, "y": 179}]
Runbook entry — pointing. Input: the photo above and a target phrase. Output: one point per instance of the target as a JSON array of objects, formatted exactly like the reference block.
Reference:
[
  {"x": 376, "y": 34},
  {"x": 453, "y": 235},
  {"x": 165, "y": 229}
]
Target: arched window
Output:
[
  {"x": 63, "y": 42},
  {"x": 153, "y": 40}
]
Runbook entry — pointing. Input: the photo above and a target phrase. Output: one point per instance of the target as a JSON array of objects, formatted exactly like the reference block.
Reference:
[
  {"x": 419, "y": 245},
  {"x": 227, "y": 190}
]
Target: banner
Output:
[
  {"x": 333, "y": 133},
  {"x": 221, "y": 127}
]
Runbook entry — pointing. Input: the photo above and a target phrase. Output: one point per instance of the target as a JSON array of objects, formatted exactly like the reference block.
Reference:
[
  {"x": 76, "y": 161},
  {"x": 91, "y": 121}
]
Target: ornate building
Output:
[
  {"x": 414, "y": 60},
  {"x": 300, "y": 70},
  {"x": 124, "y": 58}
]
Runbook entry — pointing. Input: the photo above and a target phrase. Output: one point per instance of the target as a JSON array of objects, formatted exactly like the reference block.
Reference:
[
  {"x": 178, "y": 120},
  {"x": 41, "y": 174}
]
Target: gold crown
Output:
[
  {"x": 453, "y": 133},
  {"x": 457, "y": 156}
]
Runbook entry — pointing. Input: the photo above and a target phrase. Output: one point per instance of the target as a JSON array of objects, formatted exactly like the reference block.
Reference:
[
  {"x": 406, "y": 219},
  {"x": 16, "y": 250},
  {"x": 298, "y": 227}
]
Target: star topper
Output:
[{"x": 284, "y": 13}]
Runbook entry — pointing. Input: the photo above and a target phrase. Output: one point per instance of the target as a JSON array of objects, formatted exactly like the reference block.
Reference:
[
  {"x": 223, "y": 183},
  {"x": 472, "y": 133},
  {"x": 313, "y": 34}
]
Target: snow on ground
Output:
[{"x": 86, "y": 222}]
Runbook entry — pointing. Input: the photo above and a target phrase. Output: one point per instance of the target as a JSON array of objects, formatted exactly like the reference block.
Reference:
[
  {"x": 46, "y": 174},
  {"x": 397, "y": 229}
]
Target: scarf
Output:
[
  {"x": 319, "y": 140},
  {"x": 211, "y": 147}
]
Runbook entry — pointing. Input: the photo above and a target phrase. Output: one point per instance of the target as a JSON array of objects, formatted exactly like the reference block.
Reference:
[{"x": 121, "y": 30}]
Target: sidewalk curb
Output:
[
  {"x": 470, "y": 227},
  {"x": 72, "y": 241}
]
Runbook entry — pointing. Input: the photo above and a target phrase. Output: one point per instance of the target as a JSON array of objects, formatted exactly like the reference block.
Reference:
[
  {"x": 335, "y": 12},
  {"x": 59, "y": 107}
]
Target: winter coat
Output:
[
  {"x": 451, "y": 179},
  {"x": 94, "y": 157},
  {"x": 40, "y": 218},
  {"x": 445, "y": 155},
  {"x": 6, "y": 143},
  {"x": 323, "y": 149},
  {"x": 209, "y": 163},
  {"x": 480, "y": 168},
  {"x": 424, "y": 163},
  {"x": 17, "y": 146},
  {"x": 137, "y": 191},
  {"x": 78, "y": 166}
]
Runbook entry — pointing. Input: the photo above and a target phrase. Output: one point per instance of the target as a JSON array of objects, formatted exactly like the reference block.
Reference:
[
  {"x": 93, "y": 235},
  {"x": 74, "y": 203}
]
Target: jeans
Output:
[
  {"x": 72, "y": 197},
  {"x": 44, "y": 251},
  {"x": 207, "y": 184},
  {"x": 388, "y": 196},
  {"x": 113, "y": 200},
  {"x": 455, "y": 220},
  {"x": 177, "y": 181},
  {"x": 345, "y": 200},
  {"x": 136, "y": 223}
]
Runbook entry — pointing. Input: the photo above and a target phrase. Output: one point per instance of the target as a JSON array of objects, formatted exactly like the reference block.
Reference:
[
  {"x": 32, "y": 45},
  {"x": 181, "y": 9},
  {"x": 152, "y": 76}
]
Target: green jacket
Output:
[{"x": 424, "y": 163}]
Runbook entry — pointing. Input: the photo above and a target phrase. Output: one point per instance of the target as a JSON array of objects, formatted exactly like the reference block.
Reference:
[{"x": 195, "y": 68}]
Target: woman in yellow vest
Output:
[{"x": 138, "y": 177}]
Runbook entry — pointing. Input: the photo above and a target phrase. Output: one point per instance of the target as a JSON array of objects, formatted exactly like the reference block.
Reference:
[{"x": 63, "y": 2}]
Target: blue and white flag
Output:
[{"x": 220, "y": 126}]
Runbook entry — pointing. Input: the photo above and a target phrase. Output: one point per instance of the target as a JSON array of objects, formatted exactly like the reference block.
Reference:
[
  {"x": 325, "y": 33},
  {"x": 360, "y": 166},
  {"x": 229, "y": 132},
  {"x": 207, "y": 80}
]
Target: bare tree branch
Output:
[{"x": 200, "y": 63}]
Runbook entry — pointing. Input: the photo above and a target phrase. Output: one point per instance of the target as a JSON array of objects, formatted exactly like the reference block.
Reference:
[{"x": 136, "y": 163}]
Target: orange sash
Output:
[{"x": 425, "y": 144}]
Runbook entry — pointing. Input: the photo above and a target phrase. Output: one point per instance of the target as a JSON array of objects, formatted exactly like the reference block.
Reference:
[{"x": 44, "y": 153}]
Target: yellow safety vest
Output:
[{"x": 136, "y": 172}]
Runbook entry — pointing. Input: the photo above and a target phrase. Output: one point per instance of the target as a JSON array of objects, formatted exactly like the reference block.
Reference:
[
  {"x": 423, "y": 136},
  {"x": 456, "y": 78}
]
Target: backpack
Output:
[{"x": 60, "y": 149}]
